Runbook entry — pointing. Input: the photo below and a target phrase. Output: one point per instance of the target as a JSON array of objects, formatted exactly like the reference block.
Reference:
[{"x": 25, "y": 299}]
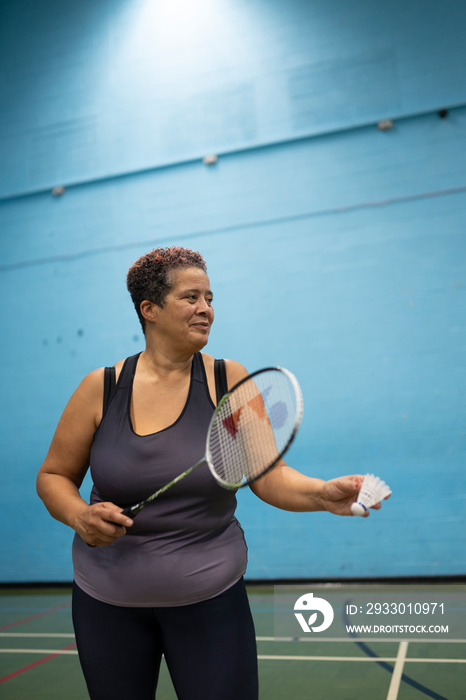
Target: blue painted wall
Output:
[{"x": 334, "y": 248}]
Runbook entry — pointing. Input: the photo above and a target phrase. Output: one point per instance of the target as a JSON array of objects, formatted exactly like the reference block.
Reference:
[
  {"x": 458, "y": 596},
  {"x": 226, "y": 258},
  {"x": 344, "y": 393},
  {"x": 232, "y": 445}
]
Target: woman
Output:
[{"x": 169, "y": 582}]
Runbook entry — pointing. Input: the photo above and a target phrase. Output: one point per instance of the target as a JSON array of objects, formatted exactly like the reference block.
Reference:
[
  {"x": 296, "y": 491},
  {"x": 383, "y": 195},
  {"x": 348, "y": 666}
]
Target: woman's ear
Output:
[{"x": 149, "y": 310}]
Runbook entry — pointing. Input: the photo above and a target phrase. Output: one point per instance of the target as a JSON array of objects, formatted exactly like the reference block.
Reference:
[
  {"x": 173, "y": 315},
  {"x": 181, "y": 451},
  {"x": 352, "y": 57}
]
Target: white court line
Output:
[
  {"x": 435, "y": 661},
  {"x": 374, "y": 659},
  {"x": 38, "y": 634},
  {"x": 70, "y": 635},
  {"x": 38, "y": 651},
  {"x": 270, "y": 657},
  {"x": 358, "y": 639},
  {"x": 397, "y": 671},
  {"x": 323, "y": 658}
]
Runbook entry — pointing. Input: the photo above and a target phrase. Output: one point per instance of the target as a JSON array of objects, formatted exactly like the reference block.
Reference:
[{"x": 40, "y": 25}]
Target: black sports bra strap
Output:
[
  {"x": 221, "y": 385},
  {"x": 109, "y": 385}
]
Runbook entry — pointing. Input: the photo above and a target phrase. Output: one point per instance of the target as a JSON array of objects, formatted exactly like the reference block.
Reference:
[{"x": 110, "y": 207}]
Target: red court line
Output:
[
  {"x": 36, "y": 663},
  {"x": 34, "y": 617}
]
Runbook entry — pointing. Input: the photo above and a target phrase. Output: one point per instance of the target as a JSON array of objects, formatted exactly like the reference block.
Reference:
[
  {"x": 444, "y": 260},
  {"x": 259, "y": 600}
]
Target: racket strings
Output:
[{"x": 252, "y": 427}]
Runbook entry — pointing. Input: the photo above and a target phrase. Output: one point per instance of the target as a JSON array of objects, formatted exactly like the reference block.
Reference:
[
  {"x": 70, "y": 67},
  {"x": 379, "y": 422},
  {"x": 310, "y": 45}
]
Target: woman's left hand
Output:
[{"x": 339, "y": 494}]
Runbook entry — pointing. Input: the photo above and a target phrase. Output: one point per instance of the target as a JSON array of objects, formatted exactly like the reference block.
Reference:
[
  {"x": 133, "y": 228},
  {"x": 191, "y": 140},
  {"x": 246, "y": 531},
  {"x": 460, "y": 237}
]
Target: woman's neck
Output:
[{"x": 157, "y": 360}]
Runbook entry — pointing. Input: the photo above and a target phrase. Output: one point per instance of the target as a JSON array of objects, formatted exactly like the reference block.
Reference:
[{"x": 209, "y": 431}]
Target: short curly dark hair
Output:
[{"x": 149, "y": 277}]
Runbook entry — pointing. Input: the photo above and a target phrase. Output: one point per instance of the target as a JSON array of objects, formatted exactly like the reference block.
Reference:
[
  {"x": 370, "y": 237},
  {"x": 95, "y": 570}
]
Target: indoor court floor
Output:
[{"x": 38, "y": 659}]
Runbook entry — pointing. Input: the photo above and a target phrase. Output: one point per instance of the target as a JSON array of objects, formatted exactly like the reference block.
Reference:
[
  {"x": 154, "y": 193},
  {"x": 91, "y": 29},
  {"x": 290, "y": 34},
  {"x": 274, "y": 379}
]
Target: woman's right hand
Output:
[{"x": 101, "y": 524}]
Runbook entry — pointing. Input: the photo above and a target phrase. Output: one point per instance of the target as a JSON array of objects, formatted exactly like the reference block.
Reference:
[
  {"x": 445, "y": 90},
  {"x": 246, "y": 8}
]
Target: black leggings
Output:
[{"x": 209, "y": 648}]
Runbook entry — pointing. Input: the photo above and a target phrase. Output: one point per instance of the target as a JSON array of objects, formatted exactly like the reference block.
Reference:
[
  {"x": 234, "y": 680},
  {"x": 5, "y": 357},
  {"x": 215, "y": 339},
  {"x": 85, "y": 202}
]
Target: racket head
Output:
[{"x": 253, "y": 426}]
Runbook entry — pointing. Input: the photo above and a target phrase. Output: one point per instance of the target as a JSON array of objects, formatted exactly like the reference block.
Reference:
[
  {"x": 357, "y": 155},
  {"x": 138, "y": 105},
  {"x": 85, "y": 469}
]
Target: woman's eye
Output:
[{"x": 194, "y": 297}]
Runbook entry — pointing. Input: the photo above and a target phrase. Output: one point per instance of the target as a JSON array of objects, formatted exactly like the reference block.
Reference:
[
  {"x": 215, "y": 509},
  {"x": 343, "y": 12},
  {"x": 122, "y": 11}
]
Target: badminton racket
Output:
[{"x": 251, "y": 429}]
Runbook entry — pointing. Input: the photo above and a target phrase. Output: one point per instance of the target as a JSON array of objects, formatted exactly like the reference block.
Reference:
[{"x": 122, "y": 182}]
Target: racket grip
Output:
[{"x": 131, "y": 511}]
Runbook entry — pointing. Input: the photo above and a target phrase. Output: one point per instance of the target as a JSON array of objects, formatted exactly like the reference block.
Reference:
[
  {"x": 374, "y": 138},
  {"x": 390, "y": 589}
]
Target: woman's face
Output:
[{"x": 187, "y": 314}]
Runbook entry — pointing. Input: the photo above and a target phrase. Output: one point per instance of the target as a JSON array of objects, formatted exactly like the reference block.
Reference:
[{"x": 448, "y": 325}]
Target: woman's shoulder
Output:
[
  {"x": 93, "y": 381},
  {"x": 118, "y": 366},
  {"x": 235, "y": 370}
]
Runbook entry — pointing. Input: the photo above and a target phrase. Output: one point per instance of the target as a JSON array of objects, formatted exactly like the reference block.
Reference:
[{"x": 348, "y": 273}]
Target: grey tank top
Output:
[{"x": 186, "y": 546}]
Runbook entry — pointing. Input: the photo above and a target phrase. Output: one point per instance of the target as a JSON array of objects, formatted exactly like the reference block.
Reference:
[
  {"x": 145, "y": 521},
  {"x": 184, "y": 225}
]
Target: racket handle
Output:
[{"x": 131, "y": 511}]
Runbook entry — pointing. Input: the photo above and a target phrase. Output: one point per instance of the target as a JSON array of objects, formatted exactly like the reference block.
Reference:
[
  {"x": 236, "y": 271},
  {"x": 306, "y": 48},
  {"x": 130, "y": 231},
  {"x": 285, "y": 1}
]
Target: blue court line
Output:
[{"x": 389, "y": 667}]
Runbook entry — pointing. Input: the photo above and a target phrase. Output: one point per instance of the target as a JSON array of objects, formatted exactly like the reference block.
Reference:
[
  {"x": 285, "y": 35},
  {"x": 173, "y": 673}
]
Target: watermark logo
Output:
[
  {"x": 310, "y": 604},
  {"x": 341, "y": 612}
]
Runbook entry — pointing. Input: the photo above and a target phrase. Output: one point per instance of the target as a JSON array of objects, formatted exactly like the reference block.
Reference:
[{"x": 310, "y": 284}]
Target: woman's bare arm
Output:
[{"x": 67, "y": 462}]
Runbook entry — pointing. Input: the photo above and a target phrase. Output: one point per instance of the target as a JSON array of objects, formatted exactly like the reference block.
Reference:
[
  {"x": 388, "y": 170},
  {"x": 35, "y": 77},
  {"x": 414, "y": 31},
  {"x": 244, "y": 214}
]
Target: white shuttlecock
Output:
[{"x": 373, "y": 490}]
